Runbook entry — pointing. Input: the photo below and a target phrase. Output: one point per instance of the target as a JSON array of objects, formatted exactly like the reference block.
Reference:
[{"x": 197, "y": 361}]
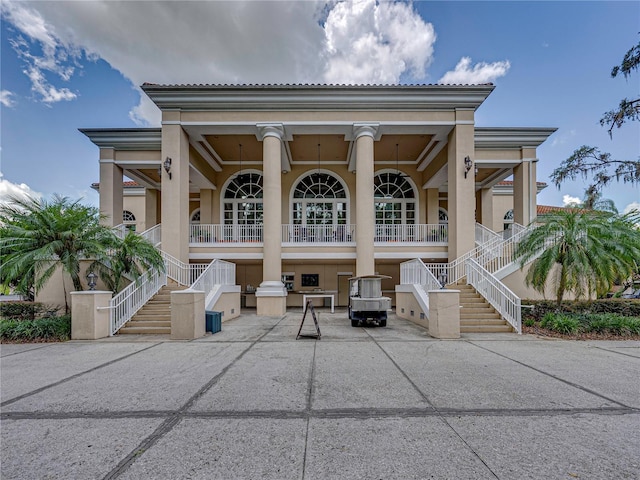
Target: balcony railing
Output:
[
  {"x": 298, "y": 234},
  {"x": 225, "y": 233},
  {"x": 326, "y": 234},
  {"x": 423, "y": 233}
]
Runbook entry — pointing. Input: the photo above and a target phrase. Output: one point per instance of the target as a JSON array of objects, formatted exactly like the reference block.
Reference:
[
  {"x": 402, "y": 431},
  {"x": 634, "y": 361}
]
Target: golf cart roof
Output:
[{"x": 370, "y": 276}]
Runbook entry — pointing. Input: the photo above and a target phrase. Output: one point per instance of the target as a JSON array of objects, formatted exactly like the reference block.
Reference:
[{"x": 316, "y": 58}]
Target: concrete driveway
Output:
[{"x": 252, "y": 402}]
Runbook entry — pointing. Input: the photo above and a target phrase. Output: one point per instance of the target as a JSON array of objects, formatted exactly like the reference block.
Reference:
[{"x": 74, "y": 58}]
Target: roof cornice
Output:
[
  {"x": 125, "y": 138},
  {"x": 317, "y": 97},
  {"x": 511, "y": 137}
]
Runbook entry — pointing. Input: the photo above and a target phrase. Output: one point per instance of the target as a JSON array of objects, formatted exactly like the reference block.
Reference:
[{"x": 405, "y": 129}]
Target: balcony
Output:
[{"x": 323, "y": 235}]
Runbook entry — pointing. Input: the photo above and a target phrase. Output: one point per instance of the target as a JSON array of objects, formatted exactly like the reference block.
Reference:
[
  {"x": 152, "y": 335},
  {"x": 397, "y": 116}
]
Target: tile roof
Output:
[
  {"x": 544, "y": 209},
  {"x": 509, "y": 183}
]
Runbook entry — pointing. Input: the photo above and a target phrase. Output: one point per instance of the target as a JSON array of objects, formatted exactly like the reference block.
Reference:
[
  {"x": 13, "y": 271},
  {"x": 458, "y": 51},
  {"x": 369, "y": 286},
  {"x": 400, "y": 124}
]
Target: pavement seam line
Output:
[
  {"x": 308, "y": 408},
  {"x": 615, "y": 351},
  {"x": 437, "y": 412},
  {"x": 177, "y": 415},
  {"x": 567, "y": 382},
  {"x": 354, "y": 413},
  {"x": 30, "y": 350},
  {"x": 72, "y": 377}
]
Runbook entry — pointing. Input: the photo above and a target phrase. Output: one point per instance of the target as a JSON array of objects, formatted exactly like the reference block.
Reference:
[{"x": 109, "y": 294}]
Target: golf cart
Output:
[{"x": 367, "y": 306}]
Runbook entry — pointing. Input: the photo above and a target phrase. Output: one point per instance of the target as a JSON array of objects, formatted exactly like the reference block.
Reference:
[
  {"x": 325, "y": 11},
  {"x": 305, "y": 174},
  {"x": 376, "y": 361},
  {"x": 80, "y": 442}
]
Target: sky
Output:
[{"x": 79, "y": 64}]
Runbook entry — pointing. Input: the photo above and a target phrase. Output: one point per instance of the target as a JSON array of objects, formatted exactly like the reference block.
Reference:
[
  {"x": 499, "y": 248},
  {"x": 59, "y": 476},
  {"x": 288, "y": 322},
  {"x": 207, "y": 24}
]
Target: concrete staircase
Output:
[
  {"x": 476, "y": 314},
  {"x": 155, "y": 316}
]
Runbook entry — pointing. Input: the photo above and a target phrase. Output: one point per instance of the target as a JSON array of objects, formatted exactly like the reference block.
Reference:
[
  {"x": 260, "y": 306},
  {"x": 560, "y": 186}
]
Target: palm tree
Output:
[
  {"x": 37, "y": 236},
  {"x": 129, "y": 256},
  {"x": 586, "y": 251}
]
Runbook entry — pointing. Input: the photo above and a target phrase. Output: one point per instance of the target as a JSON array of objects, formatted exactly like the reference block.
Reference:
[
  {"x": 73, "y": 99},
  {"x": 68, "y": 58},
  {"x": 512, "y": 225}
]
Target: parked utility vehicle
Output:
[{"x": 367, "y": 306}]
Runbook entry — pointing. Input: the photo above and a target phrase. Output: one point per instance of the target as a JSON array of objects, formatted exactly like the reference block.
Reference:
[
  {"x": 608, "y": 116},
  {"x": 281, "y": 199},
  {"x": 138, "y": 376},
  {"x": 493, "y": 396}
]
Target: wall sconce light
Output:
[
  {"x": 468, "y": 164},
  {"x": 167, "y": 166},
  {"x": 91, "y": 278}
]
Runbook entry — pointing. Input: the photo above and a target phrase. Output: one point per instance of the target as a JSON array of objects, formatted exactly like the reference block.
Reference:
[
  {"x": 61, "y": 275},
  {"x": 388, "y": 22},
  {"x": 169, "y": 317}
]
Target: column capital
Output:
[
  {"x": 365, "y": 129},
  {"x": 270, "y": 130}
]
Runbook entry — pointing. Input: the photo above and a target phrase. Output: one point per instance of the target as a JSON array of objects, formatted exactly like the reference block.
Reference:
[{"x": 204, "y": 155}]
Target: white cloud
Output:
[
  {"x": 9, "y": 189},
  {"x": 568, "y": 200},
  {"x": 632, "y": 206},
  {"x": 465, "y": 74},
  {"x": 172, "y": 42},
  {"x": 369, "y": 42},
  {"x": 58, "y": 56},
  {"x": 6, "y": 98}
]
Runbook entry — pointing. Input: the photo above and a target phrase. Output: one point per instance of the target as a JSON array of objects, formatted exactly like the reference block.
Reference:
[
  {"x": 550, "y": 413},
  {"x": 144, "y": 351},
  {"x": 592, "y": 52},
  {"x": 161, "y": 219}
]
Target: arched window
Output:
[
  {"x": 319, "y": 198},
  {"x": 443, "y": 217},
  {"x": 195, "y": 217},
  {"x": 508, "y": 220},
  {"x": 242, "y": 200},
  {"x": 395, "y": 199},
  {"x": 129, "y": 220}
]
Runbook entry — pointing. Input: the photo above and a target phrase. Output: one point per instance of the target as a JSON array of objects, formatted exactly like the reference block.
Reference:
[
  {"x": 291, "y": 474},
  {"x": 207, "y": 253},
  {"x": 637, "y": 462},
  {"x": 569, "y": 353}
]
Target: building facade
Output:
[{"x": 304, "y": 186}]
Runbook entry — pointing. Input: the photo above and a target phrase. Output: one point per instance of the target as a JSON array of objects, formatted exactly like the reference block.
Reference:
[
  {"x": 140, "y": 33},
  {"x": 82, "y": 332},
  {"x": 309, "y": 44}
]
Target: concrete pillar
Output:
[
  {"x": 90, "y": 318},
  {"x": 365, "y": 213},
  {"x": 433, "y": 206},
  {"x": 206, "y": 206},
  {"x": 110, "y": 188},
  {"x": 175, "y": 192},
  {"x": 486, "y": 208},
  {"x": 444, "y": 313},
  {"x": 521, "y": 193},
  {"x": 533, "y": 196},
  {"x": 187, "y": 315},
  {"x": 271, "y": 294},
  {"x": 150, "y": 208},
  {"x": 461, "y": 195}
]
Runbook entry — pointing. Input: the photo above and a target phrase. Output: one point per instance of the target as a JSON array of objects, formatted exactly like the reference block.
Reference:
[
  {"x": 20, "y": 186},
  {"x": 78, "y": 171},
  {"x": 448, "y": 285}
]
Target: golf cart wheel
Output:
[
  {"x": 355, "y": 323},
  {"x": 383, "y": 323}
]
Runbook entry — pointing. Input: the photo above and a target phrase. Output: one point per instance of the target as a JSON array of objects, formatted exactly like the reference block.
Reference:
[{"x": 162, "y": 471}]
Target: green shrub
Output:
[
  {"x": 26, "y": 310},
  {"x": 49, "y": 329},
  {"x": 529, "y": 322},
  {"x": 566, "y": 324},
  {"x": 619, "y": 306}
]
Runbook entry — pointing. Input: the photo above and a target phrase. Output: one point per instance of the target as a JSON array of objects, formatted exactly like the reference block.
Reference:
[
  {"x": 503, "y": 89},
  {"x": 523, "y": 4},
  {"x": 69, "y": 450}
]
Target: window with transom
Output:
[
  {"x": 395, "y": 199},
  {"x": 242, "y": 201},
  {"x": 319, "y": 199}
]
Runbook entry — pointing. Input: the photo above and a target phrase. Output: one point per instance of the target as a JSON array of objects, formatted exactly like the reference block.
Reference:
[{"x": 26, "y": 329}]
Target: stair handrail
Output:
[
  {"x": 153, "y": 234},
  {"x": 501, "y": 255},
  {"x": 120, "y": 230},
  {"x": 484, "y": 234},
  {"x": 499, "y": 296},
  {"x": 124, "y": 305},
  {"x": 218, "y": 272},
  {"x": 182, "y": 273},
  {"x": 416, "y": 272}
]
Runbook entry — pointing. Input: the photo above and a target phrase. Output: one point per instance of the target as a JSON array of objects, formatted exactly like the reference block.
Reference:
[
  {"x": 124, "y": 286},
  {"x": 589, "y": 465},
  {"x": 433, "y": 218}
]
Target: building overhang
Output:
[
  {"x": 511, "y": 137},
  {"x": 317, "y": 97},
  {"x": 125, "y": 138}
]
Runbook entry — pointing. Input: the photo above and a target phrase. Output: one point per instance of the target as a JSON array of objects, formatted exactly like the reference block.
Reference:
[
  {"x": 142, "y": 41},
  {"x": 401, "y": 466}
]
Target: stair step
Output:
[
  {"x": 149, "y": 323},
  {"x": 486, "y": 329},
  {"x": 474, "y": 322},
  {"x": 144, "y": 330},
  {"x": 480, "y": 309},
  {"x": 480, "y": 316}
]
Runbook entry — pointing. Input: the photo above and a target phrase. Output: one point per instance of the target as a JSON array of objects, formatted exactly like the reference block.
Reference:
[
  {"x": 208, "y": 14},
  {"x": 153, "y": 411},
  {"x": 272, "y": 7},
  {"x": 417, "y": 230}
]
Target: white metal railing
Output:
[
  {"x": 493, "y": 255},
  {"x": 318, "y": 233},
  {"x": 120, "y": 230},
  {"x": 218, "y": 272},
  {"x": 126, "y": 303},
  {"x": 182, "y": 273},
  {"x": 416, "y": 272},
  {"x": 408, "y": 232},
  {"x": 495, "y": 292},
  {"x": 484, "y": 234},
  {"x": 153, "y": 234},
  {"x": 218, "y": 233}
]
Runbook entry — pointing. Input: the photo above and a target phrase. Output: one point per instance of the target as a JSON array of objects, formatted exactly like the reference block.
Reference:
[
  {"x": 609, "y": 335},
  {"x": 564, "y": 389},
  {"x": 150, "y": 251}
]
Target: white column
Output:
[
  {"x": 486, "y": 208},
  {"x": 461, "y": 186},
  {"x": 365, "y": 213},
  {"x": 524, "y": 189},
  {"x": 110, "y": 188},
  {"x": 150, "y": 208},
  {"x": 271, "y": 294},
  {"x": 175, "y": 192}
]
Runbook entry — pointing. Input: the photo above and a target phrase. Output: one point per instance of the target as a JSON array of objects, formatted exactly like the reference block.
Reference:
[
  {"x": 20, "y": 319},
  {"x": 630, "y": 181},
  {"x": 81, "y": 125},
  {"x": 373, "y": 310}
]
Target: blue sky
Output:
[{"x": 71, "y": 65}]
